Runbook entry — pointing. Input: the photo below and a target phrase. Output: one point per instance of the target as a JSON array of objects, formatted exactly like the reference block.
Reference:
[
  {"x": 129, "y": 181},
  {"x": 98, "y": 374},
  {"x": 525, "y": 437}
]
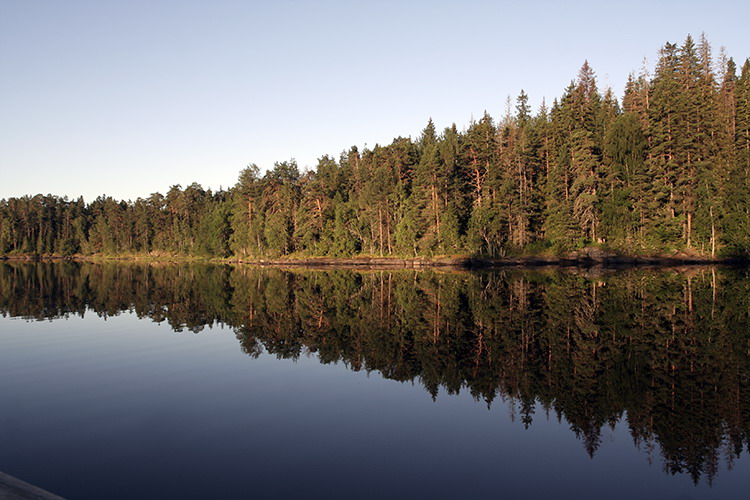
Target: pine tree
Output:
[
  {"x": 742, "y": 107},
  {"x": 559, "y": 225},
  {"x": 519, "y": 171},
  {"x": 661, "y": 133},
  {"x": 279, "y": 200},
  {"x": 455, "y": 201},
  {"x": 738, "y": 184},
  {"x": 313, "y": 233},
  {"x": 636, "y": 97},
  {"x": 487, "y": 224},
  {"x": 479, "y": 159},
  {"x": 422, "y": 211},
  {"x": 689, "y": 135},
  {"x": 624, "y": 208}
]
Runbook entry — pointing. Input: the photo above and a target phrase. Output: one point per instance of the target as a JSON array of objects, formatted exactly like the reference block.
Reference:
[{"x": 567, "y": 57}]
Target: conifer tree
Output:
[
  {"x": 454, "y": 193},
  {"x": 422, "y": 211},
  {"x": 662, "y": 133},
  {"x": 479, "y": 158},
  {"x": 737, "y": 194},
  {"x": 518, "y": 173},
  {"x": 313, "y": 233},
  {"x": 279, "y": 200},
  {"x": 559, "y": 224},
  {"x": 247, "y": 215},
  {"x": 487, "y": 225},
  {"x": 625, "y": 209}
]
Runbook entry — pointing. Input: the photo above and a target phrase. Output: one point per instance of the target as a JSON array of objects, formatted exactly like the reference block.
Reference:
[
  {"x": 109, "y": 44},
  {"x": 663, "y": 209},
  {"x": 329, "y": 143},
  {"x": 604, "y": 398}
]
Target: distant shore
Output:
[{"x": 581, "y": 258}]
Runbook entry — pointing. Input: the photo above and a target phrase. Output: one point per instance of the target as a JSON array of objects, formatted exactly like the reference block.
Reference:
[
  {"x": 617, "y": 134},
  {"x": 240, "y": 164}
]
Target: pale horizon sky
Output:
[{"x": 128, "y": 98}]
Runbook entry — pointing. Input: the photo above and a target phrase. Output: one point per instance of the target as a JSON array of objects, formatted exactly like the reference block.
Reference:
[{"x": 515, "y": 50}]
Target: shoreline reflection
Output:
[{"x": 667, "y": 352}]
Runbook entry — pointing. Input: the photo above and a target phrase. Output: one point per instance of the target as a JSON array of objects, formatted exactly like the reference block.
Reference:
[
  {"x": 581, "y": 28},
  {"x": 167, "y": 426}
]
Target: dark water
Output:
[{"x": 129, "y": 381}]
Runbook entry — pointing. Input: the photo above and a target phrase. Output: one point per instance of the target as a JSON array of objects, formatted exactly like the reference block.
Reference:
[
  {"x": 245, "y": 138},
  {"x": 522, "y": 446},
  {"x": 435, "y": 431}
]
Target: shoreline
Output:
[
  {"x": 581, "y": 260},
  {"x": 12, "y": 488}
]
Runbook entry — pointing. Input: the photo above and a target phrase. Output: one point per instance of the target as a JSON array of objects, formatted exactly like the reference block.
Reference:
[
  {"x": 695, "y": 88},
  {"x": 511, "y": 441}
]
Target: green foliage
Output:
[
  {"x": 214, "y": 230},
  {"x": 624, "y": 208},
  {"x": 407, "y": 232},
  {"x": 486, "y": 231},
  {"x": 345, "y": 230}
]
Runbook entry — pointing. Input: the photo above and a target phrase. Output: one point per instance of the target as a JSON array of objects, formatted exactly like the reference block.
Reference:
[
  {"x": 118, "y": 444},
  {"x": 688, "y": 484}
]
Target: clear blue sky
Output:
[{"x": 130, "y": 97}]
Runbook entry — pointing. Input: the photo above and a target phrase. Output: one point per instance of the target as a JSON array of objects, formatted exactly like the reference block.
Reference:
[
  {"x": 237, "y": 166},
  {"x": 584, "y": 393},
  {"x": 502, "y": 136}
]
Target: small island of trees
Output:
[{"x": 666, "y": 170}]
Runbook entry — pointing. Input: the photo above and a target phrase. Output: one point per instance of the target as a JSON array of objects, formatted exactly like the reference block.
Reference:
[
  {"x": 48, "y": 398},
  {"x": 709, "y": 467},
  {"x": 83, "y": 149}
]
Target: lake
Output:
[{"x": 202, "y": 381}]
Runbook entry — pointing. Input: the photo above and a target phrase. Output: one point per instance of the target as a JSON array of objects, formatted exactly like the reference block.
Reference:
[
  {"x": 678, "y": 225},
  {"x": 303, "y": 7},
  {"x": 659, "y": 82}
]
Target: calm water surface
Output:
[{"x": 134, "y": 381}]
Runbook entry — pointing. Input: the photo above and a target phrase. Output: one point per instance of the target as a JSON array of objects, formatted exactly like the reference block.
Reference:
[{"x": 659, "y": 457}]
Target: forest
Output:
[{"x": 663, "y": 170}]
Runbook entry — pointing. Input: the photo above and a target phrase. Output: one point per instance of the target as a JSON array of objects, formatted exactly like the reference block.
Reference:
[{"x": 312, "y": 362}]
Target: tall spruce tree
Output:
[{"x": 662, "y": 135}]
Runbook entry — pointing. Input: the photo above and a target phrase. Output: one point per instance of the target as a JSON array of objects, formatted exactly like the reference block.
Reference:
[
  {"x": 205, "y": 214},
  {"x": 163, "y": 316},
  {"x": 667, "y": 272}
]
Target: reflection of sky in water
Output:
[{"x": 129, "y": 409}]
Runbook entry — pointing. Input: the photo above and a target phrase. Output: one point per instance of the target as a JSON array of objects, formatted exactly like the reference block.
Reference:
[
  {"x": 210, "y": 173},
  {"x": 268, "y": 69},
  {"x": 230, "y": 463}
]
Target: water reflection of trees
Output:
[{"x": 667, "y": 351}]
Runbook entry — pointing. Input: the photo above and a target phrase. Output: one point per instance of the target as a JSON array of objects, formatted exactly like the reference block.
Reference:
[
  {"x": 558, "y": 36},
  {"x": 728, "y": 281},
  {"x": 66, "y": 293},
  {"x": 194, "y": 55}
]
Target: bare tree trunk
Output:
[
  {"x": 713, "y": 234},
  {"x": 388, "y": 233},
  {"x": 380, "y": 230},
  {"x": 436, "y": 209}
]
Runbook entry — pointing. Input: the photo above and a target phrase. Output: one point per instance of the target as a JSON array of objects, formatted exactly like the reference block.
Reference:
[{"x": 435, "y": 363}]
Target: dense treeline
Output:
[
  {"x": 668, "y": 169},
  {"x": 663, "y": 352}
]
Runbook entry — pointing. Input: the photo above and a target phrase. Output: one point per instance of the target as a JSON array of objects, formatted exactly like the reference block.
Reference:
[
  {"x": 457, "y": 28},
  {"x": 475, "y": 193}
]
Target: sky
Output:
[{"x": 127, "y": 98}]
